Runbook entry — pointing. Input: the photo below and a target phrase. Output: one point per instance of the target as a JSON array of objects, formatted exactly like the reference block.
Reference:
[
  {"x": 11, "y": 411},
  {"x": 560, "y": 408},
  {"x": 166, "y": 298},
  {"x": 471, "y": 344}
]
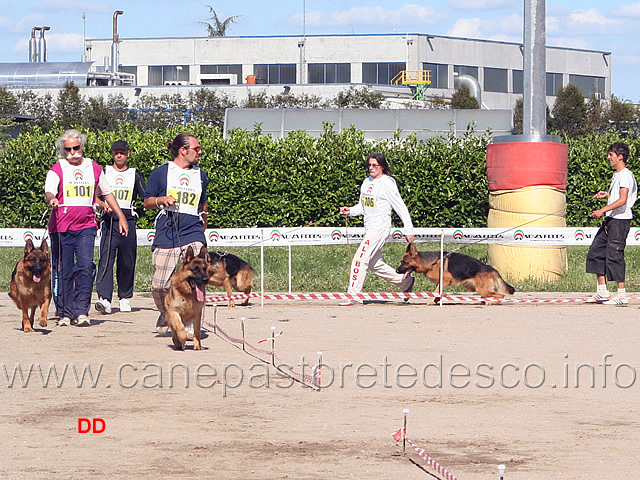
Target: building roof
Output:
[{"x": 43, "y": 74}]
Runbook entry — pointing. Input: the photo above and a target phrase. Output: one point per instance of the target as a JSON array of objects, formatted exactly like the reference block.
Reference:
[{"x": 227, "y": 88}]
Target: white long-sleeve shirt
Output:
[{"x": 377, "y": 198}]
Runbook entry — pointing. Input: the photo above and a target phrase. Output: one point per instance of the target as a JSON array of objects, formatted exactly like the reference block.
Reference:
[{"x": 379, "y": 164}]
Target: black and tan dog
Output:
[
  {"x": 30, "y": 285},
  {"x": 185, "y": 300},
  {"x": 459, "y": 269},
  {"x": 227, "y": 270}
]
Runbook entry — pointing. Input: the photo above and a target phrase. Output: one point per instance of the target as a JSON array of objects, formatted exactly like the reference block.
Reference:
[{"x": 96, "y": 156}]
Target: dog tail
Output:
[{"x": 508, "y": 288}]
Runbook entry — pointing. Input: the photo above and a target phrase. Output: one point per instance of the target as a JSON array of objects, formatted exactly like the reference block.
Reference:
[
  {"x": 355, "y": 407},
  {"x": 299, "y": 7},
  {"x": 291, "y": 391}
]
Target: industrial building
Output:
[{"x": 319, "y": 63}]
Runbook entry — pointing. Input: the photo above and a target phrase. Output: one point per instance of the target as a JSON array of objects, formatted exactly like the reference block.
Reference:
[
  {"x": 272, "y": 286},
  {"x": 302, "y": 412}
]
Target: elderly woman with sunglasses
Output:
[{"x": 71, "y": 188}]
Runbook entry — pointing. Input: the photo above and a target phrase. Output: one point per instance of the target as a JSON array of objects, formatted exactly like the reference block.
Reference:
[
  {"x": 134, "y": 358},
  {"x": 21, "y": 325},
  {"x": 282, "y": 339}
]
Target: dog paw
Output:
[
  {"x": 28, "y": 329},
  {"x": 43, "y": 323}
]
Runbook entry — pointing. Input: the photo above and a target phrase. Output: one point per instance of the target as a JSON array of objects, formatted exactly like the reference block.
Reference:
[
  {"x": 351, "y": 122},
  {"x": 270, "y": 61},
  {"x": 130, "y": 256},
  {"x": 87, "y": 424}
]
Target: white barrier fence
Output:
[{"x": 291, "y": 236}]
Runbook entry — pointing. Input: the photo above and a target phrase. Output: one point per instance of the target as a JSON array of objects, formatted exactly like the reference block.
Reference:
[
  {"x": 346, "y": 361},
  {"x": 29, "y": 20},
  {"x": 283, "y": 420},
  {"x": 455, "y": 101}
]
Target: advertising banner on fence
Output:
[{"x": 220, "y": 238}]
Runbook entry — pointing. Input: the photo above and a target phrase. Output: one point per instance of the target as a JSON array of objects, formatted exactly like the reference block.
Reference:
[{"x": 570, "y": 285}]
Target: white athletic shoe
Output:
[
  {"x": 125, "y": 306},
  {"x": 617, "y": 301},
  {"x": 599, "y": 297},
  {"x": 161, "y": 325},
  {"x": 64, "y": 322},
  {"x": 103, "y": 305}
]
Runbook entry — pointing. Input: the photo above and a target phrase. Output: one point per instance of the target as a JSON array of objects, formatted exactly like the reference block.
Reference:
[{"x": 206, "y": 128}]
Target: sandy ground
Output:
[{"x": 499, "y": 386}]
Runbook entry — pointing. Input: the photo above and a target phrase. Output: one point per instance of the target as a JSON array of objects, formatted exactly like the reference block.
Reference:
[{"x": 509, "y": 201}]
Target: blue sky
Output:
[{"x": 611, "y": 26}]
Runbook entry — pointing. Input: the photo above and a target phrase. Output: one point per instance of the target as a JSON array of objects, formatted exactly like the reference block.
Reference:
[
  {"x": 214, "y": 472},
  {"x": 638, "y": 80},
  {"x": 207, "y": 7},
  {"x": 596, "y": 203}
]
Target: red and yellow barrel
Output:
[{"x": 527, "y": 187}]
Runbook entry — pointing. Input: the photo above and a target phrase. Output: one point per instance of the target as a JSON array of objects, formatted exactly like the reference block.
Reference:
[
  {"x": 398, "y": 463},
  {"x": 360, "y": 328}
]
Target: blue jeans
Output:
[{"x": 73, "y": 271}]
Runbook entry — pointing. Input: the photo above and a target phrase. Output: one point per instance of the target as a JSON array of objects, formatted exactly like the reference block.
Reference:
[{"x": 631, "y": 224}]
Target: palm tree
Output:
[{"x": 218, "y": 28}]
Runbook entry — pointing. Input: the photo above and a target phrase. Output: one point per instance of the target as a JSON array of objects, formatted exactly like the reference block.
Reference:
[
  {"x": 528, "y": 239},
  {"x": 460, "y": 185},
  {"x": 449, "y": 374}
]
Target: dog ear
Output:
[
  {"x": 28, "y": 247},
  {"x": 43, "y": 246},
  {"x": 189, "y": 255},
  {"x": 412, "y": 250},
  {"x": 203, "y": 253}
]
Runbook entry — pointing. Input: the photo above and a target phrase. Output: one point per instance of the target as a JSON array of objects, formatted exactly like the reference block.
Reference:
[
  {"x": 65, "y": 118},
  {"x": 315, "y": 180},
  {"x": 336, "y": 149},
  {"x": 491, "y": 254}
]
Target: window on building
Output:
[
  {"x": 222, "y": 69},
  {"x": 496, "y": 80},
  {"x": 381, "y": 73},
  {"x": 133, "y": 70},
  {"x": 517, "y": 78},
  {"x": 588, "y": 85},
  {"x": 329, "y": 73},
  {"x": 466, "y": 70},
  {"x": 439, "y": 74},
  {"x": 168, "y": 74},
  {"x": 554, "y": 82},
  {"x": 275, "y": 73}
]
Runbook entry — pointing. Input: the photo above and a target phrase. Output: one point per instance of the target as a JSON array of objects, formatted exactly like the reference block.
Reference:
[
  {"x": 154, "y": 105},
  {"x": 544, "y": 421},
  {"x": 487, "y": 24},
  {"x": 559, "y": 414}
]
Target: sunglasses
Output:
[
  {"x": 74, "y": 148},
  {"x": 197, "y": 149}
]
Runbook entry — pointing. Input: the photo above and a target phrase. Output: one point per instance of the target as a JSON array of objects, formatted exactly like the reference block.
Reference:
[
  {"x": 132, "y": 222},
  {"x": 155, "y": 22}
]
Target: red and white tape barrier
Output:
[
  {"x": 395, "y": 296},
  {"x": 309, "y": 381},
  {"x": 397, "y": 436}
]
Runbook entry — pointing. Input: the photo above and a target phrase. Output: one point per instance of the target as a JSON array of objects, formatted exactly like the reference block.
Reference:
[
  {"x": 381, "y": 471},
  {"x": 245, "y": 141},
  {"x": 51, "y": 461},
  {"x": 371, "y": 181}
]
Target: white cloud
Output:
[
  {"x": 631, "y": 10},
  {"x": 56, "y": 43},
  {"x": 507, "y": 29},
  {"x": 627, "y": 59},
  {"x": 590, "y": 17},
  {"x": 25, "y": 24},
  {"x": 75, "y": 6},
  {"x": 408, "y": 14},
  {"x": 466, "y": 27},
  {"x": 480, "y": 4},
  {"x": 65, "y": 42},
  {"x": 569, "y": 42}
]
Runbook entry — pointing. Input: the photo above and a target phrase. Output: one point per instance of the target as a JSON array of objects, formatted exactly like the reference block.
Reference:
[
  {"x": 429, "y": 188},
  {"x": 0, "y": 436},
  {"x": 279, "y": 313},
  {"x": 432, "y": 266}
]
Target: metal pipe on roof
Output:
[
  {"x": 472, "y": 84},
  {"x": 116, "y": 40},
  {"x": 33, "y": 45},
  {"x": 42, "y": 49}
]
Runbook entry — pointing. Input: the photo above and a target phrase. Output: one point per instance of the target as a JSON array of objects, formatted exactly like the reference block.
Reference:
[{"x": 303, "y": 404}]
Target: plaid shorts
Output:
[{"x": 165, "y": 261}]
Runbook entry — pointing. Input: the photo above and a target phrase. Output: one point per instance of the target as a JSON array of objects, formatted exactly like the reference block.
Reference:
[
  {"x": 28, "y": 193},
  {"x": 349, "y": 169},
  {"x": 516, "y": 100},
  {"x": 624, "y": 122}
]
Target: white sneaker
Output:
[
  {"x": 189, "y": 330},
  {"x": 617, "y": 301},
  {"x": 125, "y": 306},
  {"x": 64, "y": 322},
  {"x": 599, "y": 297},
  {"x": 83, "y": 321},
  {"x": 161, "y": 325},
  {"x": 103, "y": 305}
]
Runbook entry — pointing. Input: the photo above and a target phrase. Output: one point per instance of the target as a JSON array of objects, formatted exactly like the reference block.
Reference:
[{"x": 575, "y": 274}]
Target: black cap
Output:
[{"x": 119, "y": 145}]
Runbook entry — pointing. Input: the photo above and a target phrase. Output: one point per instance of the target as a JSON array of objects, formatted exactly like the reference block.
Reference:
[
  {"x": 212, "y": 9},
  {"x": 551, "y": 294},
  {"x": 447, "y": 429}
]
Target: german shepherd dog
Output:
[
  {"x": 30, "y": 285},
  {"x": 185, "y": 300},
  {"x": 459, "y": 269},
  {"x": 227, "y": 270}
]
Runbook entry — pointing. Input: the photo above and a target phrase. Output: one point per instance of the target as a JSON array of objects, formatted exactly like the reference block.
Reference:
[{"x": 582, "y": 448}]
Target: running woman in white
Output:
[{"x": 378, "y": 195}]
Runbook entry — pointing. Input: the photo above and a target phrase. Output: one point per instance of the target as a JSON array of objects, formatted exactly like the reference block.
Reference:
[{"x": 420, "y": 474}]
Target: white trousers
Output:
[{"x": 369, "y": 256}]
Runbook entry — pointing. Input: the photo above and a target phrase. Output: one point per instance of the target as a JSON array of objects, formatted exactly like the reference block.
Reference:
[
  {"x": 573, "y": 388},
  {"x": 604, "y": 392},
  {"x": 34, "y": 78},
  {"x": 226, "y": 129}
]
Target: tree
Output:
[
  {"x": 462, "y": 99},
  {"x": 518, "y": 114},
  {"x": 38, "y": 106},
  {"x": 622, "y": 115},
  {"x": 69, "y": 105},
  {"x": 355, "y": 97},
  {"x": 569, "y": 111},
  {"x": 98, "y": 114},
  {"x": 595, "y": 120},
  {"x": 8, "y": 106},
  {"x": 218, "y": 28},
  {"x": 208, "y": 106}
]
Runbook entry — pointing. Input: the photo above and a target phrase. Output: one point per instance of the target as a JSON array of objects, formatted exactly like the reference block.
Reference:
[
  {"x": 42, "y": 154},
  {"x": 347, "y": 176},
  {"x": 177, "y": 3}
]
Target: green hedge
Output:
[{"x": 260, "y": 181}]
